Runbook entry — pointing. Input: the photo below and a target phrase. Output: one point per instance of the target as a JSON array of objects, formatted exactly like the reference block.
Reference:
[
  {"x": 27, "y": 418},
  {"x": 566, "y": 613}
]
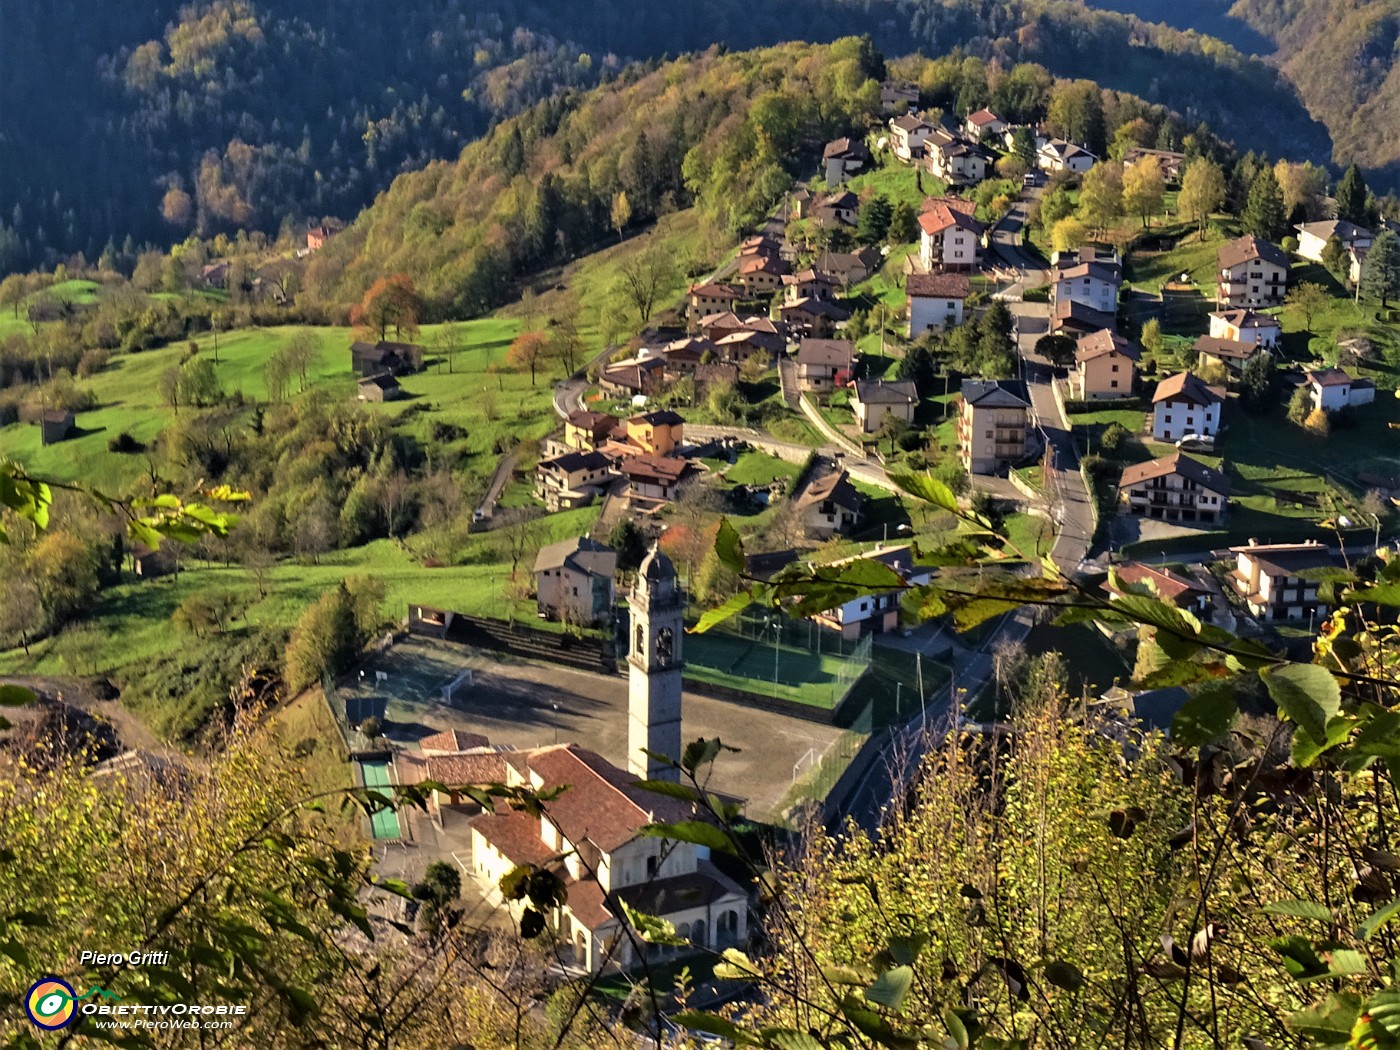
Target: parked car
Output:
[{"x": 1196, "y": 443}]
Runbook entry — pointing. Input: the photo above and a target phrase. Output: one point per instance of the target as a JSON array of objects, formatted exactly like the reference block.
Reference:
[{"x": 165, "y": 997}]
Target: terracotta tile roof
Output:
[
  {"x": 909, "y": 123},
  {"x": 1097, "y": 344},
  {"x": 937, "y": 286},
  {"x": 1231, "y": 348},
  {"x": 601, "y": 805},
  {"x": 593, "y": 421},
  {"x": 478, "y": 767},
  {"x": 1177, "y": 463},
  {"x": 761, "y": 264},
  {"x": 942, "y": 213},
  {"x": 662, "y": 469},
  {"x": 1186, "y": 387},
  {"x": 1249, "y": 247},
  {"x": 516, "y": 836},
  {"x": 453, "y": 740},
  {"x": 1330, "y": 377},
  {"x": 983, "y": 117},
  {"x": 835, "y": 486},
  {"x": 1246, "y": 319},
  {"x": 717, "y": 291},
  {"x": 1170, "y": 586}
]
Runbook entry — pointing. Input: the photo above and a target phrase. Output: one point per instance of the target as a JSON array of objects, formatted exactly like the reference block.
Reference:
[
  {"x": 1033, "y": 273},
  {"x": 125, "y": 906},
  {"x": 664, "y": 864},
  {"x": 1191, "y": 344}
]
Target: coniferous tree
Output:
[
  {"x": 1380, "y": 275},
  {"x": 1264, "y": 214},
  {"x": 1351, "y": 197}
]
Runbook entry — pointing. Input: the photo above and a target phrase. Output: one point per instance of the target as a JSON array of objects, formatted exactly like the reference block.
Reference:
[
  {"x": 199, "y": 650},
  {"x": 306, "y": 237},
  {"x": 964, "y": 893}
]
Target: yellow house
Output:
[
  {"x": 585, "y": 430},
  {"x": 657, "y": 432},
  {"x": 1105, "y": 366}
]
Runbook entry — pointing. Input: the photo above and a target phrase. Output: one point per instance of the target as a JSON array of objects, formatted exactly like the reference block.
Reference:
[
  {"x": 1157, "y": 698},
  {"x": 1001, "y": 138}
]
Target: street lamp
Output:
[{"x": 556, "y": 722}]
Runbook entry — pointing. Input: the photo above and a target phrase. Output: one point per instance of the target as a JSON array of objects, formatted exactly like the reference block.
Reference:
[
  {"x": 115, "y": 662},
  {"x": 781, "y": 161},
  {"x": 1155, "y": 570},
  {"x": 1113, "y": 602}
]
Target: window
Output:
[
  {"x": 1113, "y": 384},
  {"x": 1115, "y": 368},
  {"x": 989, "y": 434},
  {"x": 1167, "y": 418},
  {"x": 651, "y": 867}
]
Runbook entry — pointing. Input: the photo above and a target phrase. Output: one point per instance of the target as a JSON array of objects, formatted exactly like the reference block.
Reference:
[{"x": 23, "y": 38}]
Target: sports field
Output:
[
  {"x": 398, "y": 686},
  {"x": 757, "y": 665},
  {"x": 385, "y": 823}
]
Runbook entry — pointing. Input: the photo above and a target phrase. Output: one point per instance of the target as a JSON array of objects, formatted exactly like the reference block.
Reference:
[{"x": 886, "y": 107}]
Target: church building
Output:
[{"x": 592, "y": 831}]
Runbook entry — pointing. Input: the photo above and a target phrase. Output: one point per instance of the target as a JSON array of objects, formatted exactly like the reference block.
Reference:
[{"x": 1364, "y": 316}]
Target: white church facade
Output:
[{"x": 591, "y": 833}]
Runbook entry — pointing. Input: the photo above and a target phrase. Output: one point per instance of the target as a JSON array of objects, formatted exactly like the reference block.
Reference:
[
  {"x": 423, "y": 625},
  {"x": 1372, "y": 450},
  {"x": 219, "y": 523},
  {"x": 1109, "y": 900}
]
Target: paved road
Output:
[
  {"x": 892, "y": 759},
  {"x": 1009, "y": 247}
]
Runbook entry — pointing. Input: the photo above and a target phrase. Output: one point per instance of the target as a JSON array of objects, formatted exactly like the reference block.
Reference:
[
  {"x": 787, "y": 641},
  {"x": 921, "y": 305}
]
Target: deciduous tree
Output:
[
  {"x": 1101, "y": 195},
  {"x": 390, "y": 303},
  {"x": 1202, "y": 191},
  {"x": 528, "y": 352},
  {"x": 1307, "y": 297},
  {"x": 1143, "y": 189}
]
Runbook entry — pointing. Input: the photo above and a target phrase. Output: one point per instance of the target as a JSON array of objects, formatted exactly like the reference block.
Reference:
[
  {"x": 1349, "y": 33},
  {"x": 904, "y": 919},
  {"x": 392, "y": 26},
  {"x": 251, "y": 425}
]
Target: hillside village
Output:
[{"x": 1119, "y": 377}]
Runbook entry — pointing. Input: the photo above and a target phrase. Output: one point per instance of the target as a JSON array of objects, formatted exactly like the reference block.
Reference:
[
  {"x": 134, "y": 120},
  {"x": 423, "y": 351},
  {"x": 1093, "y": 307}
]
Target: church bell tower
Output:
[{"x": 654, "y": 669}]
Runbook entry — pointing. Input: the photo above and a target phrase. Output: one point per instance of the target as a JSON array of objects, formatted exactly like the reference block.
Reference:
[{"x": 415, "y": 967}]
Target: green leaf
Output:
[
  {"x": 1384, "y": 1011},
  {"x": 733, "y": 607},
  {"x": 700, "y": 1021},
  {"x": 873, "y": 1026},
  {"x": 1300, "y": 910},
  {"x": 890, "y": 988},
  {"x": 905, "y": 950},
  {"x": 1346, "y": 962},
  {"x": 304, "y": 1006},
  {"x": 666, "y": 787},
  {"x": 929, "y": 489},
  {"x": 1377, "y": 919},
  {"x": 16, "y": 696},
  {"x": 1064, "y": 975},
  {"x": 531, "y": 923},
  {"x": 652, "y": 928},
  {"x": 1306, "y": 694},
  {"x": 789, "y": 1039},
  {"x": 1380, "y": 735},
  {"x": 701, "y": 752},
  {"x": 1385, "y": 594},
  {"x": 1206, "y": 717},
  {"x": 1329, "y": 1022},
  {"x": 1306, "y": 750},
  {"x": 734, "y": 965},
  {"x": 846, "y": 975},
  {"x": 957, "y": 1031},
  {"x": 729, "y": 547},
  {"x": 697, "y": 832},
  {"x": 1299, "y": 956}
]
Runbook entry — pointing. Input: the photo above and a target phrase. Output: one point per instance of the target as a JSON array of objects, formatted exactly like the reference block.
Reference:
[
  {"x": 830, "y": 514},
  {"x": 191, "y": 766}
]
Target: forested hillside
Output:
[
  {"x": 153, "y": 121},
  {"x": 1344, "y": 55},
  {"x": 722, "y": 129}
]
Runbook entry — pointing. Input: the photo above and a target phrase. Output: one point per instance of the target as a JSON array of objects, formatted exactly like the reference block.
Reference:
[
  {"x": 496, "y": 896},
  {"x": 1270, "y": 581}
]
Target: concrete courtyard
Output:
[{"x": 526, "y": 704}]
